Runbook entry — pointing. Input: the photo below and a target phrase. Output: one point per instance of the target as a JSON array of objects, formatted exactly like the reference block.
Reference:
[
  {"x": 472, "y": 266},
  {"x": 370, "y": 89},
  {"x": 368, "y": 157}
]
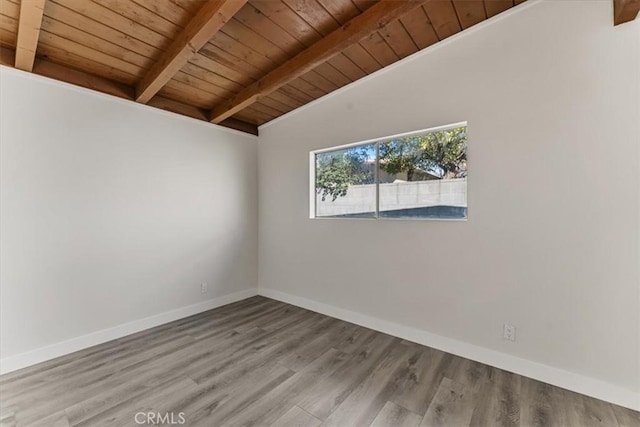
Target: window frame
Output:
[{"x": 377, "y": 142}]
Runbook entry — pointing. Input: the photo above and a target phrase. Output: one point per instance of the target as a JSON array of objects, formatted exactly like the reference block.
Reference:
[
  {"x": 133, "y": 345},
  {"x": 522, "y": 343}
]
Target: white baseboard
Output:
[
  {"x": 49, "y": 352},
  {"x": 548, "y": 374}
]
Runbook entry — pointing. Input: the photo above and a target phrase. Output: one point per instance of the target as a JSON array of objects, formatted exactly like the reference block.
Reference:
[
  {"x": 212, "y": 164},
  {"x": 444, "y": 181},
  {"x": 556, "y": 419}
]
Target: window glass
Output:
[
  {"x": 417, "y": 175},
  {"x": 345, "y": 182},
  {"x": 424, "y": 176}
]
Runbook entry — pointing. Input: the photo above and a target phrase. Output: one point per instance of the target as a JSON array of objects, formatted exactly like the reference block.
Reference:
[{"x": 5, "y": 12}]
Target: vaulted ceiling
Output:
[{"x": 234, "y": 62}]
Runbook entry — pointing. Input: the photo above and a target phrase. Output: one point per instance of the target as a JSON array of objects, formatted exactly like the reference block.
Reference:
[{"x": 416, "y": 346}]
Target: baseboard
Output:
[
  {"x": 49, "y": 352},
  {"x": 548, "y": 374}
]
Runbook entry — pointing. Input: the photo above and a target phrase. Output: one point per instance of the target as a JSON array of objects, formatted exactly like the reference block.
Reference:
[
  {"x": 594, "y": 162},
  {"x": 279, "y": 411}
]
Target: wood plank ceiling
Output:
[{"x": 240, "y": 63}]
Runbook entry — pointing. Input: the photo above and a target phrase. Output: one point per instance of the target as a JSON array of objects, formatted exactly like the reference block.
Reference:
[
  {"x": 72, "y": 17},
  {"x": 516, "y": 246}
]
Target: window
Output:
[{"x": 416, "y": 175}]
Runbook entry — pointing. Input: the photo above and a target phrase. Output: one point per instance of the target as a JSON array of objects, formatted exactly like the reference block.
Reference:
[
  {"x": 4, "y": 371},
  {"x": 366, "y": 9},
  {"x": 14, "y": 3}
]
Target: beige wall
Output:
[
  {"x": 549, "y": 91},
  {"x": 111, "y": 212}
]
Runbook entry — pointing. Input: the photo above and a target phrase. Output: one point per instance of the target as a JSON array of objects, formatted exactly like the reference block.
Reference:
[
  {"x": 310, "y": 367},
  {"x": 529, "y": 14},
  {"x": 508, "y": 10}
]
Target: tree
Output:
[
  {"x": 401, "y": 155},
  {"x": 440, "y": 153},
  {"x": 448, "y": 150},
  {"x": 443, "y": 153},
  {"x": 336, "y": 170}
]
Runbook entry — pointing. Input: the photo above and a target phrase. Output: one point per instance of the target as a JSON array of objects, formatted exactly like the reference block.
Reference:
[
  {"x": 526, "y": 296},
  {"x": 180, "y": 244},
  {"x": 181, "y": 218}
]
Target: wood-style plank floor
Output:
[{"x": 261, "y": 362}]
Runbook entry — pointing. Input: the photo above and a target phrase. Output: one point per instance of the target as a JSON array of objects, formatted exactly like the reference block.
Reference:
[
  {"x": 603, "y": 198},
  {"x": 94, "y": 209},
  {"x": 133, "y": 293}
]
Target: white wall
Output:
[
  {"x": 551, "y": 93},
  {"x": 112, "y": 212}
]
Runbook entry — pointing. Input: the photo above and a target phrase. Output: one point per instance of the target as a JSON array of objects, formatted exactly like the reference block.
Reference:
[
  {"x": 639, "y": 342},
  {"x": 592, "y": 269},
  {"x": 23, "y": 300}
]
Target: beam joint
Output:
[{"x": 205, "y": 24}]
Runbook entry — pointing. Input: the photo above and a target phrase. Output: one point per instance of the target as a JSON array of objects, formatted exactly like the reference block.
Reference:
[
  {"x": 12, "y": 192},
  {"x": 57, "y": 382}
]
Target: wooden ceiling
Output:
[
  {"x": 625, "y": 11},
  {"x": 234, "y": 62}
]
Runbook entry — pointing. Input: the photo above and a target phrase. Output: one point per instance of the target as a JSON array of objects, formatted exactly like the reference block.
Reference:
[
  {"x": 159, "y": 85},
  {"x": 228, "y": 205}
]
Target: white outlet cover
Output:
[
  {"x": 203, "y": 287},
  {"x": 509, "y": 332}
]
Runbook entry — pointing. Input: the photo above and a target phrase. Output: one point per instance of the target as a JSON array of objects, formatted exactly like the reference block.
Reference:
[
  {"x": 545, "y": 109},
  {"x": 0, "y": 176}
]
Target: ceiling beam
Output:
[
  {"x": 625, "y": 11},
  {"x": 59, "y": 72},
  {"x": 208, "y": 21},
  {"x": 373, "y": 19},
  {"x": 29, "y": 25}
]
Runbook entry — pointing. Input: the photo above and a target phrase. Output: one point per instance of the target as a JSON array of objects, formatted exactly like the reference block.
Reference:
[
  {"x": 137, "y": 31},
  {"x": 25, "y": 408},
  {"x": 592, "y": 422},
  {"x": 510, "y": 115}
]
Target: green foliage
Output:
[
  {"x": 447, "y": 150},
  {"x": 336, "y": 170},
  {"x": 442, "y": 153},
  {"x": 401, "y": 155}
]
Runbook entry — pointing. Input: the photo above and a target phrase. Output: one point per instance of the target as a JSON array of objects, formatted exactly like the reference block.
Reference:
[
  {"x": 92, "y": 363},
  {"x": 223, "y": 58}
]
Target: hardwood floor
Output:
[{"x": 260, "y": 362}]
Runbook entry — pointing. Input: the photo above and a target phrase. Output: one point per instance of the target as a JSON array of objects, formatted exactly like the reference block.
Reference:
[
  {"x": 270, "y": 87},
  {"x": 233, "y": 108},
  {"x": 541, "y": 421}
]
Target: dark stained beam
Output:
[
  {"x": 29, "y": 25},
  {"x": 208, "y": 21},
  {"x": 236, "y": 124},
  {"x": 625, "y": 11},
  {"x": 373, "y": 19}
]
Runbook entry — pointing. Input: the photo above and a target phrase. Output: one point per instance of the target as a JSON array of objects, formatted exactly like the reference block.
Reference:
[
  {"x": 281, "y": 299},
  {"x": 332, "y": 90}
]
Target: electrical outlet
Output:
[
  {"x": 509, "y": 332},
  {"x": 203, "y": 287}
]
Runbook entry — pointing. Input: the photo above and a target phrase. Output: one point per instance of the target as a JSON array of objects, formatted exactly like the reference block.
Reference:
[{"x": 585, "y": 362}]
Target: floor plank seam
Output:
[{"x": 263, "y": 362}]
